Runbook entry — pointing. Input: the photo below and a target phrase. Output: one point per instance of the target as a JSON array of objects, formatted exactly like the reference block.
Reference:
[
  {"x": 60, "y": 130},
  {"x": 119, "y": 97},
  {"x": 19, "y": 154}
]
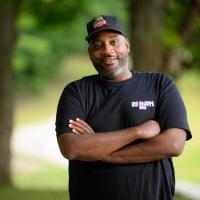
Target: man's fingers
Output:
[
  {"x": 85, "y": 124},
  {"x": 80, "y": 126},
  {"x": 75, "y": 131}
]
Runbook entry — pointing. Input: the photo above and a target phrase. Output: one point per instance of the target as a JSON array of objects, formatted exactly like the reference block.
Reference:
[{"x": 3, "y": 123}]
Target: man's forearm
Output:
[
  {"x": 168, "y": 144},
  {"x": 90, "y": 147}
]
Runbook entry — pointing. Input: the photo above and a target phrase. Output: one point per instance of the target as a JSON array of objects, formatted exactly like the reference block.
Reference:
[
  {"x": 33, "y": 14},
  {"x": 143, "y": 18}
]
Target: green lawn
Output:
[
  {"x": 35, "y": 179},
  {"x": 35, "y": 173},
  {"x": 188, "y": 164},
  {"x": 32, "y": 194}
]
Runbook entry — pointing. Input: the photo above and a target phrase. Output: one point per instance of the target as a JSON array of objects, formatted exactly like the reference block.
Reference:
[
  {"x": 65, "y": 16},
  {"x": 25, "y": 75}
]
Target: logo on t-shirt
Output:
[{"x": 142, "y": 105}]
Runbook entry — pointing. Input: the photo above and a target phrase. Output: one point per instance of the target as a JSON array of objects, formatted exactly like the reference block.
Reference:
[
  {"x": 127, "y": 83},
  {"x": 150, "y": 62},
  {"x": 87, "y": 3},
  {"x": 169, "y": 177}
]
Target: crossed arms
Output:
[{"x": 117, "y": 146}]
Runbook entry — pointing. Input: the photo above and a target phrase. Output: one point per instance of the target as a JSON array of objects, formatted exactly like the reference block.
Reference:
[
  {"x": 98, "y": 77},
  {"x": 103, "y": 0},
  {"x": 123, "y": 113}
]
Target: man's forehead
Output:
[{"x": 106, "y": 34}]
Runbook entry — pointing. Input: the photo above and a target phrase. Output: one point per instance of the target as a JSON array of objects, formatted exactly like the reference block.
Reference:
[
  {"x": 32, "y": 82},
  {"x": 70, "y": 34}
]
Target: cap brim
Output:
[{"x": 88, "y": 37}]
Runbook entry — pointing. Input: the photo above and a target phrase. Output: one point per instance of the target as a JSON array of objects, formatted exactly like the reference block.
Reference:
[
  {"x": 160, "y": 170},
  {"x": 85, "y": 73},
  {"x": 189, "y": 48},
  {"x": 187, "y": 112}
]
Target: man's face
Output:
[{"x": 108, "y": 52}]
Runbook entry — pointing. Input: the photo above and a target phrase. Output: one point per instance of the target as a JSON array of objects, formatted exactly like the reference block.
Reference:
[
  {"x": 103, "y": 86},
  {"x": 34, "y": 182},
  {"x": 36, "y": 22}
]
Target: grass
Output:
[
  {"x": 10, "y": 193},
  {"x": 187, "y": 165},
  {"x": 29, "y": 172},
  {"x": 36, "y": 179},
  {"x": 31, "y": 194}
]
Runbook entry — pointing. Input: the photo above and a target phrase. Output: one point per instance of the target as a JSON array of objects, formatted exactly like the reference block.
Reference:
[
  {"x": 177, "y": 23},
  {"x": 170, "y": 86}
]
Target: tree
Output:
[
  {"x": 159, "y": 31},
  {"x": 47, "y": 14},
  {"x": 8, "y": 14},
  {"x": 146, "y": 22}
]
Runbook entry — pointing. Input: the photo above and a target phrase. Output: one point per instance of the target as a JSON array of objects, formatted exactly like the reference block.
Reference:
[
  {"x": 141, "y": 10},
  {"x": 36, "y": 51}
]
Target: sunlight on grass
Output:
[
  {"x": 187, "y": 165},
  {"x": 29, "y": 172},
  {"x": 12, "y": 193},
  {"x": 35, "y": 179},
  {"x": 36, "y": 107}
]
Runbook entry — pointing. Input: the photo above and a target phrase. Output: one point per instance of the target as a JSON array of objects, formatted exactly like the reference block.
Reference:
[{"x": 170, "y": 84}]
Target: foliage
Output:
[
  {"x": 50, "y": 29},
  {"x": 41, "y": 39},
  {"x": 193, "y": 49},
  {"x": 53, "y": 13},
  {"x": 176, "y": 14},
  {"x": 37, "y": 57}
]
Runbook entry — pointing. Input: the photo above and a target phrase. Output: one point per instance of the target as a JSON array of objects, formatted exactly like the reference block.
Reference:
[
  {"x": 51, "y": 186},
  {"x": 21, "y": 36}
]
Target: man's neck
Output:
[{"x": 121, "y": 77}]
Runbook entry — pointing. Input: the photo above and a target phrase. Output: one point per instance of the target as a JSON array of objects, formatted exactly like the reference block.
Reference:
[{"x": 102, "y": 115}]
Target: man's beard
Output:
[{"x": 109, "y": 73}]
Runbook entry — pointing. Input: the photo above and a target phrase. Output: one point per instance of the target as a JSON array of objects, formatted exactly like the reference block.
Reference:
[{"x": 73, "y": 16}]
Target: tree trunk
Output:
[
  {"x": 149, "y": 53},
  {"x": 7, "y": 40},
  {"x": 146, "y": 18}
]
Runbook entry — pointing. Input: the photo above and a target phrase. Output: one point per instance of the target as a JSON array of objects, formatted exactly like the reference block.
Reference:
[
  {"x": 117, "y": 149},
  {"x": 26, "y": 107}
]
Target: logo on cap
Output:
[{"x": 99, "y": 22}]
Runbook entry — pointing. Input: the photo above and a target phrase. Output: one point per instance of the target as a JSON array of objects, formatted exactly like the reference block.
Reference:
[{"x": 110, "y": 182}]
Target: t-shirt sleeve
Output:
[
  {"x": 69, "y": 107},
  {"x": 171, "y": 109}
]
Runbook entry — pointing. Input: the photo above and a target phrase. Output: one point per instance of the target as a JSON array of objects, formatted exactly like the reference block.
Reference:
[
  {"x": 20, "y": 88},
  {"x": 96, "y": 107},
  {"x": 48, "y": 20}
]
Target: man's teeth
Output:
[{"x": 109, "y": 59}]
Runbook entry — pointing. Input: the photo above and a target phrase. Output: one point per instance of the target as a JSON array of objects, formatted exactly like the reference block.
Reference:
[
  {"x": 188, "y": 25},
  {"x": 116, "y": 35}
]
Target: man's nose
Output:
[{"x": 108, "y": 49}]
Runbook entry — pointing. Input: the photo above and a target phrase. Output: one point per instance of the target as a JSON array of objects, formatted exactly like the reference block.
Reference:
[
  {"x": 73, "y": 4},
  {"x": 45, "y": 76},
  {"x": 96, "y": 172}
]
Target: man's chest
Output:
[{"x": 122, "y": 109}]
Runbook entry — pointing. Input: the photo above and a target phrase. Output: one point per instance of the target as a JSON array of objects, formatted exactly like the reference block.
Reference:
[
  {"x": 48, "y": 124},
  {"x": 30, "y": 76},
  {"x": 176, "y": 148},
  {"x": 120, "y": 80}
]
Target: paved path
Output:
[
  {"x": 39, "y": 140},
  {"x": 188, "y": 189}
]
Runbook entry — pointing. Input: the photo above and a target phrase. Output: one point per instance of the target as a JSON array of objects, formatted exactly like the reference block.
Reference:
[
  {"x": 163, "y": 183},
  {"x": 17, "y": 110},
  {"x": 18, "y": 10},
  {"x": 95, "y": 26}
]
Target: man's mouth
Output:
[{"x": 109, "y": 60}]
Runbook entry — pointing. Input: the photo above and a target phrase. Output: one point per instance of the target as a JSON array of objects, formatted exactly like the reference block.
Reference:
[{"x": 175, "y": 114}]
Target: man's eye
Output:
[
  {"x": 96, "y": 46},
  {"x": 114, "y": 42}
]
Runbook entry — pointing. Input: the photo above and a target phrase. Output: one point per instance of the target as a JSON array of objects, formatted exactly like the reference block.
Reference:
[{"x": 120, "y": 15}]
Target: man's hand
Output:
[
  {"x": 149, "y": 129},
  {"x": 79, "y": 126}
]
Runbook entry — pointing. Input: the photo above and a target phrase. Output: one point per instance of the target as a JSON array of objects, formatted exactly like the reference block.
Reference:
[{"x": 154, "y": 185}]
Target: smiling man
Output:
[
  {"x": 120, "y": 128},
  {"x": 113, "y": 60}
]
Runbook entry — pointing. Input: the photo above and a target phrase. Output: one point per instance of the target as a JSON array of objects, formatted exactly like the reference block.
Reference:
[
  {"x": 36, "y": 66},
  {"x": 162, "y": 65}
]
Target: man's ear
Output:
[
  {"x": 89, "y": 52},
  {"x": 127, "y": 44}
]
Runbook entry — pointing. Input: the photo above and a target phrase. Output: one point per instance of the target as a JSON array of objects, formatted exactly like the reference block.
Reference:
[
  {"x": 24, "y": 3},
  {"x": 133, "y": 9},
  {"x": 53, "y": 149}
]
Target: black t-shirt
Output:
[{"x": 109, "y": 106}]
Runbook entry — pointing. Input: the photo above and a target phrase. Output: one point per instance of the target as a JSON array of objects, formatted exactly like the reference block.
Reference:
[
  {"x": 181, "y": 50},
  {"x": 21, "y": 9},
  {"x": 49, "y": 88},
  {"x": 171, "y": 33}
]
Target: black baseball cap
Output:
[{"x": 103, "y": 22}]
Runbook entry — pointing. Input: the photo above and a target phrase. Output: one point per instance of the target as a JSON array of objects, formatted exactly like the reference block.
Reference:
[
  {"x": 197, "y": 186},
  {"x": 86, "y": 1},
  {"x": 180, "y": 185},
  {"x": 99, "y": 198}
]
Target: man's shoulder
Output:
[
  {"x": 85, "y": 79},
  {"x": 82, "y": 82},
  {"x": 89, "y": 78},
  {"x": 153, "y": 76}
]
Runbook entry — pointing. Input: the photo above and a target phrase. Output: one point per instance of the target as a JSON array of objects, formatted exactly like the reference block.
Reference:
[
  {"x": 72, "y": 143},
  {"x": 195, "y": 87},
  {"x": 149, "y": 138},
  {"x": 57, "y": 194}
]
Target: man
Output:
[{"x": 120, "y": 128}]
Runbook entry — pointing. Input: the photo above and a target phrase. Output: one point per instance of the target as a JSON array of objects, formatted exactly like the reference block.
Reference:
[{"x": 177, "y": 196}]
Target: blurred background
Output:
[{"x": 42, "y": 48}]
